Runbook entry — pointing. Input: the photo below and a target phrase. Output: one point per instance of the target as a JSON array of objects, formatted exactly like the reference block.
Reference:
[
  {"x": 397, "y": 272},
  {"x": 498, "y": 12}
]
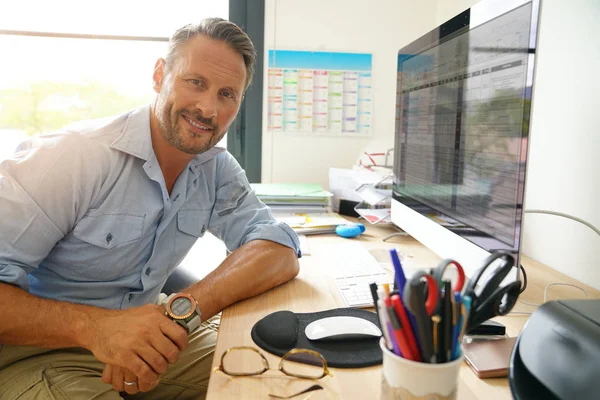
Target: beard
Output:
[{"x": 175, "y": 134}]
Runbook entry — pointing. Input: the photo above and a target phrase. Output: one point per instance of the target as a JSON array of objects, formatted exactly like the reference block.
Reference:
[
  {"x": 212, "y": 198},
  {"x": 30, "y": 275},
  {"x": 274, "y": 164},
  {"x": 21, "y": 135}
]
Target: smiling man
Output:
[{"x": 98, "y": 216}]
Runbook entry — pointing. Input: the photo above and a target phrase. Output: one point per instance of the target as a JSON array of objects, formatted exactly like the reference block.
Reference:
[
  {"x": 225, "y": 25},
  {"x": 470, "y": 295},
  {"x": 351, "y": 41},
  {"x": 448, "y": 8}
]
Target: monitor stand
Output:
[{"x": 399, "y": 233}]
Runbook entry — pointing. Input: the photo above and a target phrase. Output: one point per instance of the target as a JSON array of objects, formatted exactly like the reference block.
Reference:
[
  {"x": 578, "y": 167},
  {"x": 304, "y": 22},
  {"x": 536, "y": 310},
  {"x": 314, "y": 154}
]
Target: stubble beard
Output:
[{"x": 174, "y": 133}]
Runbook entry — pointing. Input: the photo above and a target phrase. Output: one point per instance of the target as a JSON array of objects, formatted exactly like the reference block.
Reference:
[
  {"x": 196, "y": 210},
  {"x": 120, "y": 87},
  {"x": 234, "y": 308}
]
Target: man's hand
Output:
[
  {"x": 141, "y": 341},
  {"x": 117, "y": 376}
]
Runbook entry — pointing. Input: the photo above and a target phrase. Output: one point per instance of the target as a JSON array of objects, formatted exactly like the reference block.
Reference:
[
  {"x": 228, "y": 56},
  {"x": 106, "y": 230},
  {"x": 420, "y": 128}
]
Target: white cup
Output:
[{"x": 410, "y": 380}]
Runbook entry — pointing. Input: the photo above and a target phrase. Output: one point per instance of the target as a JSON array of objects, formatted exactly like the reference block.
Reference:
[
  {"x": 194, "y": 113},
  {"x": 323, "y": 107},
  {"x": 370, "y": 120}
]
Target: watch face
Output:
[{"x": 181, "y": 306}]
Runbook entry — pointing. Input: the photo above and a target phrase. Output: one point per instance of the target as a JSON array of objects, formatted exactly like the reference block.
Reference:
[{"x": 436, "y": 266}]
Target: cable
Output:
[
  {"x": 546, "y": 297},
  {"x": 559, "y": 214},
  {"x": 571, "y": 217},
  {"x": 555, "y": 284}
]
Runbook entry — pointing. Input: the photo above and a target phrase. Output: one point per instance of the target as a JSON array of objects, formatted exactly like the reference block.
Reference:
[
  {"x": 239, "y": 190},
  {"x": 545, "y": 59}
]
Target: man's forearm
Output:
[
  {"x": 28, "y": 320},
  {"x": 252, "y": 269}
]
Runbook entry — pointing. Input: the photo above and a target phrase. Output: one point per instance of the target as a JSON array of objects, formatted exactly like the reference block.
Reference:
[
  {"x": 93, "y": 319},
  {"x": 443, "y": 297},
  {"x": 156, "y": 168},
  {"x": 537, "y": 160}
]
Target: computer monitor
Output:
[{"x": 462, "y": 126}]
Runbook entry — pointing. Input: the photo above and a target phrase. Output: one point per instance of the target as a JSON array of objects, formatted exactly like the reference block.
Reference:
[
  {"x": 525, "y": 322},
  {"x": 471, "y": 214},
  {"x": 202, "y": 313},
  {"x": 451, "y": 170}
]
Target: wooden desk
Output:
[{"x": 314, "y": 291}]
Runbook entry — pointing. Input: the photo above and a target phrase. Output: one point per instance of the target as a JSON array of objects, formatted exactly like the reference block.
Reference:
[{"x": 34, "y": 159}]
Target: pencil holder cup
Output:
[{"x": 410, "y": 380}]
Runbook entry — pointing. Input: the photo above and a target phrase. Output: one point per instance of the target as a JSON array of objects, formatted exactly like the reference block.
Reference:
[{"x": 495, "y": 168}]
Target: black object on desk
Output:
[
  {"x": 492, "y": 299},
  {"x": 557, "y": 354},
  {"x": 488, "y": 328},
  {"x": 282, "y": 331}
]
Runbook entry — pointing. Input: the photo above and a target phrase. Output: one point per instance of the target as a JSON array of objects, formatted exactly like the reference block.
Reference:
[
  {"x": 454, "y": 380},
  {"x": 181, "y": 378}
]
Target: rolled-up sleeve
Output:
[
  {"x": 238, "y": 215},
  {"x": 39, "y": 190},
  {"x": 27, "y": 233}
]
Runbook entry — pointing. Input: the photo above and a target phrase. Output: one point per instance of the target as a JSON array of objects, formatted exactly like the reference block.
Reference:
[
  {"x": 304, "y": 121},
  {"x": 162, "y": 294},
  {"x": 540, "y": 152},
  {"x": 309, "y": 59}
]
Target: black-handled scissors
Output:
[{"x": 492, "y": 299}]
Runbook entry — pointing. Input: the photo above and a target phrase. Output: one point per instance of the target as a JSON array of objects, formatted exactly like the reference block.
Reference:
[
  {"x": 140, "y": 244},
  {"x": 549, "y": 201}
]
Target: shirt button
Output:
[
  {"x": 148, "y": 271},
  {"x": 203, "y": 230},
  {"x": 130, "y": 296}
]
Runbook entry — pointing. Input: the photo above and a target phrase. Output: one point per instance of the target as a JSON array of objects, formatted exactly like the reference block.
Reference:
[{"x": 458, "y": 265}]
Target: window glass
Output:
[{"x": 47, "y": 82}]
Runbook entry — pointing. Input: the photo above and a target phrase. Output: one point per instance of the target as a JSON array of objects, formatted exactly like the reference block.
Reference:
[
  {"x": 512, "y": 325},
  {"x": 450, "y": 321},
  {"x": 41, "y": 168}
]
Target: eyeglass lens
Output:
[
  {"x": 302, "y": 364},
  {"x": 243, "y": 362}
]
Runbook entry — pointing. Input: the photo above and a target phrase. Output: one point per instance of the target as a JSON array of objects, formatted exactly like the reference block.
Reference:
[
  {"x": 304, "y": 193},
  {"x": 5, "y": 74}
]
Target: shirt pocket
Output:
[
  {"x": 191, "y": 225},
  {"x": 101, "y": 246}
]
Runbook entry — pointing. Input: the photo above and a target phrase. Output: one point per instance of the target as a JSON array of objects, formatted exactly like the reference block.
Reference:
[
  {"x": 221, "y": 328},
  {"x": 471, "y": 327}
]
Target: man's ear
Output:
[{"x": 158, "y": 75}]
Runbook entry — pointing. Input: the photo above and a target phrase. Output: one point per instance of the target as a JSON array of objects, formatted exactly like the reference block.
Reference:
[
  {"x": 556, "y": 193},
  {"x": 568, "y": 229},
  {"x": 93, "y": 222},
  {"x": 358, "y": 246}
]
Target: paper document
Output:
[
  {"x": 292, "y": 219},
  {"x": 310, "y": 220},
  {"x": 304, "y": 249}
]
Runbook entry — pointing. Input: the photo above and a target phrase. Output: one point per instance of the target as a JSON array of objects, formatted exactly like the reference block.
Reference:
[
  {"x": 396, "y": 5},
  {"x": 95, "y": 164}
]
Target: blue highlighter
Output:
[{"x": 350, "y": 230}]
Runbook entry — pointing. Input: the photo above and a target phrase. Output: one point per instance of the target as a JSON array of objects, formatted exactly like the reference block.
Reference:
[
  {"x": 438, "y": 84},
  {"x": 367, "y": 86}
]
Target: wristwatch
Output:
[{"x": 183, "y": 309}]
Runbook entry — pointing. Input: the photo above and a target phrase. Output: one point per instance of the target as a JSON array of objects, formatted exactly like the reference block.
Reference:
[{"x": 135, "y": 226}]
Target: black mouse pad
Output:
[{"x": 282, "y": 331}]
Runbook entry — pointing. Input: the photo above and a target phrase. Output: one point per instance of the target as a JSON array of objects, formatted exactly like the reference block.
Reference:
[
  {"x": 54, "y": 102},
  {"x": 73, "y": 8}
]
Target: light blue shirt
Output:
[{"x": 87, "y": 218}]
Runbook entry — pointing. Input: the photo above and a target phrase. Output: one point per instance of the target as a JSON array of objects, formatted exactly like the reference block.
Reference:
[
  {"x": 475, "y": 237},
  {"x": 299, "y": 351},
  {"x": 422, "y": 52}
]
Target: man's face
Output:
[{"x": 200, "y": 94}]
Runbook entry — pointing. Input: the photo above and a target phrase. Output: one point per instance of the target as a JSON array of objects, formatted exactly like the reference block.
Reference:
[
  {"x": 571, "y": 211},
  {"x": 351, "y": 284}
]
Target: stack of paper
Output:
[
  {"x": 310, "y": 224},
  {"x": 293, "y": 197}
]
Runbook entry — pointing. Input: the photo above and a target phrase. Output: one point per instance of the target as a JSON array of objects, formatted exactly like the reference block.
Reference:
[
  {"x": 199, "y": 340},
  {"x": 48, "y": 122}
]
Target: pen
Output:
[
  {"x": 400, "y": 279},
  {"x": 438, "y": 330},
  {"x": 447, "y": 321},
  {"x": 436, "y": 320},
  {"x": 373, "y": 288},
  {"x": 406, "y": 328},
  {"x": 467, "y": 301},
  {"x": 385, "y": 325},
  {"x": 398, "y": 334},
  {"x": 386, "y": 289},
  {"x": 458, "y": 321}
]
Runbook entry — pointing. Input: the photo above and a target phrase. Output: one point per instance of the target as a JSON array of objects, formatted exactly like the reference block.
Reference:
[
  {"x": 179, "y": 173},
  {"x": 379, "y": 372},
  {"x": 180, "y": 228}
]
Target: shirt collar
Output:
[{"x": 135, "y": 139}]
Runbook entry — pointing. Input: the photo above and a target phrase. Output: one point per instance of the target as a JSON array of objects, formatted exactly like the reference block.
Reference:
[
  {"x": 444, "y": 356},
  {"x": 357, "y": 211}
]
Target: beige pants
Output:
[{"x": 75, "y": 374}]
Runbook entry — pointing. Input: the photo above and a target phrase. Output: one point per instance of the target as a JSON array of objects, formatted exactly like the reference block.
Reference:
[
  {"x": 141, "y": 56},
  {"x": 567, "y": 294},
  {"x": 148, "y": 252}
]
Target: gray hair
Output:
[{"x": 218, "y": 29}]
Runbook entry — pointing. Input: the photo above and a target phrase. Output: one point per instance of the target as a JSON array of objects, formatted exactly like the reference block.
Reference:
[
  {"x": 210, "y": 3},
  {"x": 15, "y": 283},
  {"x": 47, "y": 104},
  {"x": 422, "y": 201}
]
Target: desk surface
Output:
[{"x": 313, "y": 291}]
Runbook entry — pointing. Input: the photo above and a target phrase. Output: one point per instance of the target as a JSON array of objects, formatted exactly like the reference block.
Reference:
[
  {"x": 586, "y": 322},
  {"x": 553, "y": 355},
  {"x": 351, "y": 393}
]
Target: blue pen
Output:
[
  {"x": 467, "y": 300},
  {"x": 457, "y": 325},
  {"x": 464, "y": 320},
  {"x": 400, "y": 280}
]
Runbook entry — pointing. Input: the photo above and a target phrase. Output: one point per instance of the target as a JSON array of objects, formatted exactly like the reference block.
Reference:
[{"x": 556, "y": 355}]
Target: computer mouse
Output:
[
  {"x": 342, "y": 328},
  {"x": 350, "y": 230}
]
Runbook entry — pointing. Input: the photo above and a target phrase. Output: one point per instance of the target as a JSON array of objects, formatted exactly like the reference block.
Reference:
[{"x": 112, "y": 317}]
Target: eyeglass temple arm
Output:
[{"x": 310, "y": 389}]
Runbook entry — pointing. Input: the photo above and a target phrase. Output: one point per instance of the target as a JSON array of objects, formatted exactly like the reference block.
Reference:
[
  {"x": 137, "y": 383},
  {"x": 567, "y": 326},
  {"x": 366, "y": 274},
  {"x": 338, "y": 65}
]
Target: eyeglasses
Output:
[
  {"x": 248, "y": 361},
  {"x": 297, "y": 363}
]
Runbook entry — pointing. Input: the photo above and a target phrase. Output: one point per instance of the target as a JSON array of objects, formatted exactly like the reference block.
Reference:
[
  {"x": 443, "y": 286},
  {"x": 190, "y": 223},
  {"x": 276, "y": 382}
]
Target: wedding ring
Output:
[{"x": 130, "y": 383}]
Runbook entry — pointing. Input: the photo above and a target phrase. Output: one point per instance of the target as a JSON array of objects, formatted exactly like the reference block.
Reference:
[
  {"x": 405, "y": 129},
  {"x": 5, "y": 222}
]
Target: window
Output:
[{"x": 89, "y": 60}]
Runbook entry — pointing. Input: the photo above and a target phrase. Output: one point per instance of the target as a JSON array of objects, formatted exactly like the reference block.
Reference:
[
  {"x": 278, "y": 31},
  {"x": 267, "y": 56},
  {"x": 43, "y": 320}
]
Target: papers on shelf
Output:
[
  {"x": 310, "y": 220},
  {"x": 293, "y": 197}
]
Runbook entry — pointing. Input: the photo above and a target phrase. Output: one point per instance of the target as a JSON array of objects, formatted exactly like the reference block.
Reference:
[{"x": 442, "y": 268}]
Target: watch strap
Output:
[{"x": 193, "y": 323}]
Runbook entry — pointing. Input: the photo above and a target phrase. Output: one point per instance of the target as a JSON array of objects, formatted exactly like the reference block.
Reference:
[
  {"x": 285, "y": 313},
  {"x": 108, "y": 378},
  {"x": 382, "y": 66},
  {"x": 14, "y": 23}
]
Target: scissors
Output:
[
  {"x": 422, "y": 308},
  {"x": 439, "y": 271},
  {"x": 492, "y": 300}
]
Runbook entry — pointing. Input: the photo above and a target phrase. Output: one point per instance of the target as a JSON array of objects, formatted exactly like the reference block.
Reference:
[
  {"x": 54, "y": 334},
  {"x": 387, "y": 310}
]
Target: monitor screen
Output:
[{"x": 462, "y": 122}]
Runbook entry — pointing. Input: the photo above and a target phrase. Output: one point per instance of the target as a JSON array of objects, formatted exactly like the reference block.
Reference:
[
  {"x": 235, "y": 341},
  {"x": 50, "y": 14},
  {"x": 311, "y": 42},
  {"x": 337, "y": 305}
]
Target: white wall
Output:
[
  {"x": 565, "y": 141},
  {"x": 564, "y": 149},
  {"x": 564, "y": 145},
  {"x": 380, "y": 27}
]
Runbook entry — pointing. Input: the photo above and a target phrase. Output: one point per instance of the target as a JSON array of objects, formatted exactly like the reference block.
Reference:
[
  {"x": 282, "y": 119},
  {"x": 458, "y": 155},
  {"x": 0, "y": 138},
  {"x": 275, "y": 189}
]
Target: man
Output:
[{"x": 95, "y": 219}]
